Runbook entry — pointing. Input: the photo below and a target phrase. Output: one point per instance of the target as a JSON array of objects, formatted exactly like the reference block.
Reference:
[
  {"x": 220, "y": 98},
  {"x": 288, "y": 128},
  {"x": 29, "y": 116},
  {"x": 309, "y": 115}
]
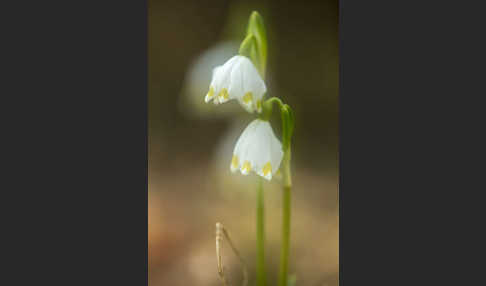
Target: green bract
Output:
[{"x": 254, "y": 46}]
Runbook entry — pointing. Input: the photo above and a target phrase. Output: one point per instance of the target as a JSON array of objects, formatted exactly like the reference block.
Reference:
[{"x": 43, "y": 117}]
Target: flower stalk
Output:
[
  {"x": 287, "y": 119},
  {"x": 260, "y": 235},
  {"x": 286, "y": 212}
]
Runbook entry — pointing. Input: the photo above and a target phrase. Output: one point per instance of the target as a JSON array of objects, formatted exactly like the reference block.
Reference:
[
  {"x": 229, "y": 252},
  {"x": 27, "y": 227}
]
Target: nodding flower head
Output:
[
  {"x": 237, "y": 79},
  {"x": 257, "y": 149}
]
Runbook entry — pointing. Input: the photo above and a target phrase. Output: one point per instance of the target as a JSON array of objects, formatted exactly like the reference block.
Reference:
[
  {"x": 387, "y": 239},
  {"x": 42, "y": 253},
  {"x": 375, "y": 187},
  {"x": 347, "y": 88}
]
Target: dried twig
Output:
[{"x": 220, "y": 232}]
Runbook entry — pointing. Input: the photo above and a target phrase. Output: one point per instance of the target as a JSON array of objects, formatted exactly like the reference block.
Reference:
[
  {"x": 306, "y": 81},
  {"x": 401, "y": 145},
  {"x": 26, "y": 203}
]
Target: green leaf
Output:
[
  {"x": 288, "y": 125},
  {"x": 257, "y": 28},
  {"x": 285, "y": 130},
  {"x": 291, "y": 120},
  {"x": 248, "y": 48}
]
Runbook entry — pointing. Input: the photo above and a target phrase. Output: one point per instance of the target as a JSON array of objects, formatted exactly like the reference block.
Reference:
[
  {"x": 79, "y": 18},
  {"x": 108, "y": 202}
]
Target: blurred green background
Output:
[{"x": 190, "y": 142}]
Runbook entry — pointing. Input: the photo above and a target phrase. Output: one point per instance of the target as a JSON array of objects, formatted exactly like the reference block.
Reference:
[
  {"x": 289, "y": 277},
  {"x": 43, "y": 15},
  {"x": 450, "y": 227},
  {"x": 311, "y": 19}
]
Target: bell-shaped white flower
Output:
[
  {"x": 257, "y": 149},
  {"x": 237, "y": 79}
]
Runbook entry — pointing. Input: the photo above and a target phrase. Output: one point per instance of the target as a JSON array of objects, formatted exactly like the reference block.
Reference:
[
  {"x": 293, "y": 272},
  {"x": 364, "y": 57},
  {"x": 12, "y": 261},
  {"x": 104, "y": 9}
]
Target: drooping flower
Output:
[
  {"x": 196, "y": 83},
  {"x": 257, "y": 149},
  {"x": 237, "y": 79}
]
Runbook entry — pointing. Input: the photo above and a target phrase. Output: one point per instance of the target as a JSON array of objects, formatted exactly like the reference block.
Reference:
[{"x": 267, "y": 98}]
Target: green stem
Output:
[
  {"x": 260, "y": 235},
  {"x": 284, "y": 253}
]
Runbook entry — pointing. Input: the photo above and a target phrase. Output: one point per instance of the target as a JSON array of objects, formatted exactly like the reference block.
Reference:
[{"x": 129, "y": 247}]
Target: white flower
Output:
[
  {"x": 196, "y": 83},
  {"x": 257, "y": 149},
  {"x": 237, "y": 79}
]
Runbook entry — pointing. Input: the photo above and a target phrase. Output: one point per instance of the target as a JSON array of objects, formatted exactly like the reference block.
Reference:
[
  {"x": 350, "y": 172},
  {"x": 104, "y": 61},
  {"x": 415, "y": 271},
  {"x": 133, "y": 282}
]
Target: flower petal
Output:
[
  {"x": 237, "y": 79},
  {"x": 257, "y": 149}
]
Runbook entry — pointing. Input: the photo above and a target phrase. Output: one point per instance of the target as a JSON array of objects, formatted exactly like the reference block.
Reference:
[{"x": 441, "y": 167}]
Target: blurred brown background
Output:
[{"x": 190, "y": 142}]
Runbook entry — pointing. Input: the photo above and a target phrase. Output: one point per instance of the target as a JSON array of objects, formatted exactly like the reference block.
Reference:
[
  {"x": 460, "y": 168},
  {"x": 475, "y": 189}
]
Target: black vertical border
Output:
[
  {"x": 341, "y": 89},
  {"x": 76, "y": 106},
  {"x": 409, "y": 128}
]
